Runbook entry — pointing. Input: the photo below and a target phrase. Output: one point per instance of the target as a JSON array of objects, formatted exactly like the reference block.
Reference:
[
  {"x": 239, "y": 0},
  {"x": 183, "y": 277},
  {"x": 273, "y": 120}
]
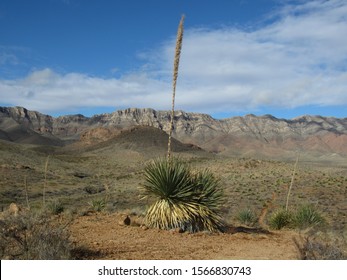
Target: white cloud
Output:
[
  {"x": 48, "y": 91},
  {"x": 299, "y": 59}
]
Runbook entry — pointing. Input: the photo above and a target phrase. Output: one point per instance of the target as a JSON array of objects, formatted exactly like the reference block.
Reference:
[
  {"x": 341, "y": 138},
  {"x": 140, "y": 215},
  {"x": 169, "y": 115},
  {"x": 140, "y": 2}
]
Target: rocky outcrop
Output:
[
  {"x": 29, "y": 119},
  {"x": 20, "y": 125}
]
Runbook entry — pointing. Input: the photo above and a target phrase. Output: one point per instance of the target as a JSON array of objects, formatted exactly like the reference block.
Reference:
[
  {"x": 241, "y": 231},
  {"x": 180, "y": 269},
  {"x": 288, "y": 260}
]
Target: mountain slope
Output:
[
  {"x": 238, "y": 135},
  {"x": 19, "y": 129},
  {"x": 145, "y": 140}
]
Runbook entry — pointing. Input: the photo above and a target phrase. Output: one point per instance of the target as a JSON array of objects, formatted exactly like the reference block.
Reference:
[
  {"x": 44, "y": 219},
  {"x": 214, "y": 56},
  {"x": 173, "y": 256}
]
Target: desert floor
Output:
[{"x": 103, "y": 236}]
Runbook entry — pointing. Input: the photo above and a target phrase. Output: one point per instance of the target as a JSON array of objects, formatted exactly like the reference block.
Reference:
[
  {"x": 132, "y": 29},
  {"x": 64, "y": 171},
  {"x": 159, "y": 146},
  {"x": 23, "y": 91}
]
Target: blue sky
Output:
[{"x": 280, "y": 57}]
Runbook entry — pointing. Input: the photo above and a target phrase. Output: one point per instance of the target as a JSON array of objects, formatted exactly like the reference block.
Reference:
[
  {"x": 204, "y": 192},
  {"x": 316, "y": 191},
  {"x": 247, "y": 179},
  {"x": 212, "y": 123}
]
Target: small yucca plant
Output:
[
  {"x": 246, "y": 217},
  {"x": 209, "y": 196},
  {"x": 307, "y": 216},
  {"x": 280, "y": 219},
  {"x": 98, "y": 204},
  {"x": 183, "y": 199}
]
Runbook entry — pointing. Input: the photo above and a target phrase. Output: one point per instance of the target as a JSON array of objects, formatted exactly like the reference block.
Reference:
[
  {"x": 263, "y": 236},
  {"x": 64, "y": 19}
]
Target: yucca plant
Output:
[
  {"x": 246, "y": 217},
  {"x": 307, "y": 216},
  {"x": 98, "y": 204},
  {"x": 183, "y": 199},
  {"x": 209, "y": 195},
  {"x": 280, "y": 219}
]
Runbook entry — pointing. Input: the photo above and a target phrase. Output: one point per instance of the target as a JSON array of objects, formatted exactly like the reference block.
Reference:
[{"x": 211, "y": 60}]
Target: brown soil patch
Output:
[{"x": 104, "y": 236}]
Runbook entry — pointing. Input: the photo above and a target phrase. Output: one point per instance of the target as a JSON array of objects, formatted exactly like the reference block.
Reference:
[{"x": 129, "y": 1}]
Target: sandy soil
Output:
[{"x": 104, "y": 236}]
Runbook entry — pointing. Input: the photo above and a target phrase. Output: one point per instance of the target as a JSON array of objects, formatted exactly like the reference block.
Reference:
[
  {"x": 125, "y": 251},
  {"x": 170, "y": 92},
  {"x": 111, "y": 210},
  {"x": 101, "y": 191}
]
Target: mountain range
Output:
[{"x": 249, "y": 135}]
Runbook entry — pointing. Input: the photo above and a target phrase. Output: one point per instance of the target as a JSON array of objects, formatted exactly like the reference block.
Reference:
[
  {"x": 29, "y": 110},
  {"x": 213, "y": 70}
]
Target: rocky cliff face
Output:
[
  {"x": 20, "y": 125},
  {"x": 323, "y": 134},
  {"x": 28, "y": 119}
]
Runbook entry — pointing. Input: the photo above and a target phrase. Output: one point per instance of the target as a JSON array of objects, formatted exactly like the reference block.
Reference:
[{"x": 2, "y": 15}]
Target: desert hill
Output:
[
  {"x": 249, "y": 135},
  {"x": 145, "y": 140}
]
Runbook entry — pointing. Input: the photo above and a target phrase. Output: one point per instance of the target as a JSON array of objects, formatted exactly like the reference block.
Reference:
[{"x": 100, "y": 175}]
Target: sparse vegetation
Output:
[
  {"x": 292, "y": 181},
  {"x": 319, "y": 184},
  {"x": 316, "y": 247},
  {"x": 55, "y": 207},
  {"x": 32, "y": 236},
  {"x": 45, "y": 183}
]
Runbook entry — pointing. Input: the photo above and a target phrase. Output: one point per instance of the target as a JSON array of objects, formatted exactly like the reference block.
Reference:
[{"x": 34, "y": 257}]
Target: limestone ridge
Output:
[{"x": 323, "y": 133}]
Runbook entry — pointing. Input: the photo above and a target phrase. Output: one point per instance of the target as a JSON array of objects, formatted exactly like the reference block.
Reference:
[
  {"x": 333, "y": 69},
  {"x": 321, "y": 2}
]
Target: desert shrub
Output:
[
  {"x": 307, "y": 216},
  {"x": 183, "y": 199},
  {"x": 246, "y": 217},
  {"x": 98, "y": 204},
  {"x": 280, "y": 219},
  {"x": 33, "y": 237},
  {"x": 55, "y": 207},
  {"x": 318, "y": 248}
]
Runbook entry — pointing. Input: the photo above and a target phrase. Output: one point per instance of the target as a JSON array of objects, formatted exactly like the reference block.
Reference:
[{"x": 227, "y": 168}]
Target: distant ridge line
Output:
[{"x": 322, "y": 135}]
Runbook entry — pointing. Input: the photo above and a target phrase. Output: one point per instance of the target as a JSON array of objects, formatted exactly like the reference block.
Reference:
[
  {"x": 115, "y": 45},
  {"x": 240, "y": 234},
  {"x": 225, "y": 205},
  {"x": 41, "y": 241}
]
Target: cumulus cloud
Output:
[
  {"x": 46, "y": 90},
  {"x": 298, "y": 59}
]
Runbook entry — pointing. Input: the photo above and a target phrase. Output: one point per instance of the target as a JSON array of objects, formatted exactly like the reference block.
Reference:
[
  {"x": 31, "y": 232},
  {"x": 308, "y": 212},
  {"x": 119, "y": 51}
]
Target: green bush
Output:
[
  {"x": 183, "y": 198},
  {"x": 280, "y": 219},
  {"x": 307, "y": 216}
]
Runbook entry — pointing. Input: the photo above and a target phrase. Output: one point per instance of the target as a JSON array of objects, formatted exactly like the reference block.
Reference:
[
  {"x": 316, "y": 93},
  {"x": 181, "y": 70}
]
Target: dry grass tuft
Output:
[
  {"x": 315, "y": 247},
  {"x": 33, "y": 237}
]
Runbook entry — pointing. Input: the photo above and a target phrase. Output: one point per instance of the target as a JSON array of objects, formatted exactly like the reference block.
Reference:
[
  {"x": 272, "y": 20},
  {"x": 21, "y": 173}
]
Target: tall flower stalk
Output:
[
  {"x": 45, "y": 183},
  {"x": 174, "y": 80},
  {"x": 292, "y": 181}
]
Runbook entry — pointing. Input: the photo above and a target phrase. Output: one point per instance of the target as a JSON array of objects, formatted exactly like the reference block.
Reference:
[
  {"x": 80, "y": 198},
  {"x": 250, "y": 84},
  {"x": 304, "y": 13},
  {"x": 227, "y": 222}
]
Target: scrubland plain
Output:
[{"x": 91, "y": 188}]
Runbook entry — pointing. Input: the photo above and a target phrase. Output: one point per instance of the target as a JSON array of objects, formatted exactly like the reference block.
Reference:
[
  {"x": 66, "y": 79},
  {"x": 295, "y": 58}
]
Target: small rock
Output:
[
  {"x": 144, "y": 227},
  {"x": 127, "y": 221},
  {"x": 177, "y": 230}
]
